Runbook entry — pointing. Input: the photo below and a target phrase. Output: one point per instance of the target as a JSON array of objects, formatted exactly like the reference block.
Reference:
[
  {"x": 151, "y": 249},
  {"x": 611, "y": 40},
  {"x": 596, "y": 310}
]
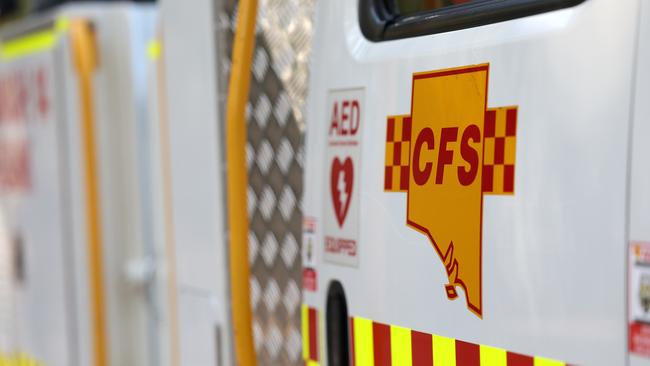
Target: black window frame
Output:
[{"x": 379, "y": 22}]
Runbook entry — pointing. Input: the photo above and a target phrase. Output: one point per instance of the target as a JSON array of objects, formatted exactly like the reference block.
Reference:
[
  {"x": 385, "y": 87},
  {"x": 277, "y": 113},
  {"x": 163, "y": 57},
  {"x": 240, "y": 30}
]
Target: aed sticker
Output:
[
  {"x": 342, "y": 164},
  {"x": 639, "y": 298}
]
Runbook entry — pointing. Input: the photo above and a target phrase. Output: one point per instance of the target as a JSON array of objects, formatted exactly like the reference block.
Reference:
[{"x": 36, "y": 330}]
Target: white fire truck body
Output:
[{"x": 518, "y": 258}]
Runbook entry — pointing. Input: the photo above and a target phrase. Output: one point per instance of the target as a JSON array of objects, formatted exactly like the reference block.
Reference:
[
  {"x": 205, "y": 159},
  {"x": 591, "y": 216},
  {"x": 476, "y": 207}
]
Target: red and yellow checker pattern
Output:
[
  {"x": 499, "y": 143},
  {"x": 398, "y": 147},
  {"x": 377, "y": 344},
  {"x": 500, "y": 147}
]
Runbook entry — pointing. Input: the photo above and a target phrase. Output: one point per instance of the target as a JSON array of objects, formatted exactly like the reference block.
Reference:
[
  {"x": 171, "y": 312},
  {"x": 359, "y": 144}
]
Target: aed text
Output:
[{"x": 346, "y": 118}]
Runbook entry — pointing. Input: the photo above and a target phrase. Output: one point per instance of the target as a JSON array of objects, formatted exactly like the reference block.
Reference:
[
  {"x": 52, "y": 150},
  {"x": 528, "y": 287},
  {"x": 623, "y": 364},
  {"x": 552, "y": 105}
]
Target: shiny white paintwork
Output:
[
  {"x": 639, "y": 184},
  {"x": 40, "y": 305},
  {"x": 554, "y": 254},
  {"x": 52, "y": 310}
]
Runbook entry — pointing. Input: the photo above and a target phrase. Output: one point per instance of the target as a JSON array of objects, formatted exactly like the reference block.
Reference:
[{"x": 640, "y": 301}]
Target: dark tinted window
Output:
[
  {"x": 408, "y": 7},
  {"x": 382, "y": 20}
]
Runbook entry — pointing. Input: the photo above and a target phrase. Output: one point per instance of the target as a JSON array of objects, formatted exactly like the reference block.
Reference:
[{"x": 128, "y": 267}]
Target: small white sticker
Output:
[
  {"x": 342, "y": 164},
  {"x": 639, "y": 299},
  {"x": 308, "y": 238}
]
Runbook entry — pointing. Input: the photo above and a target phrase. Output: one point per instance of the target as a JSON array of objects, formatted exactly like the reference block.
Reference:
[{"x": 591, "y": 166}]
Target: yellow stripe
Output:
[
  {"x": 321, "y": 334},
  {"x": 363, "y": 342},
  {"x": 312, "y": 363},
  {"x": 34, "y": 42},
  {"x": 305, "y": 332},
  {"x": 400, "y": 342},
  {"x": 444, "y": 351},
  {"x": 85, "y": 62},
  {"x": 237, "y": 181},
  {"x": 541, "y": 361},
  {"x": 29, "y": 44},
  {"x": 493, "y": 356}
]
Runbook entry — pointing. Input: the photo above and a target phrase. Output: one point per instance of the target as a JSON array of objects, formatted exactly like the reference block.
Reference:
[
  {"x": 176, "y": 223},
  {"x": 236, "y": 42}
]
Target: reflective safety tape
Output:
[
  {"x": 310, "y": 336},
  {"x": 18, "y": 359},
  {"x": 377, "y": 344},
  {"x": 400, "y": 340},
  {"x": 493, "y": 356},
  {"x": 153, "y": 50},
  {"x": 34, "y": 42},
  {"x": 444, "y": 351}
]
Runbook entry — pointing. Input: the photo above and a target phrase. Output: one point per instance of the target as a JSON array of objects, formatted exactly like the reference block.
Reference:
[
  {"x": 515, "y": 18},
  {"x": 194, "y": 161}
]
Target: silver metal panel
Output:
[{"x": 274, "y": 155}]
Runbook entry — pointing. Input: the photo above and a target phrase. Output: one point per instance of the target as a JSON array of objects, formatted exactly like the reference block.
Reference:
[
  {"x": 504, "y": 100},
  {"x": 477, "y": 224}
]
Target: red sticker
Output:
[
  {"x": 309, "y": 279},
  {"x": 639, "y": 299}
]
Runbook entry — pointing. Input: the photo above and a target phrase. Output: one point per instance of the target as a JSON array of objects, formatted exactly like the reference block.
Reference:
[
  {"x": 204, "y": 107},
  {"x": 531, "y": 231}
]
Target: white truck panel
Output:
[{"x": 554, "y": 253}]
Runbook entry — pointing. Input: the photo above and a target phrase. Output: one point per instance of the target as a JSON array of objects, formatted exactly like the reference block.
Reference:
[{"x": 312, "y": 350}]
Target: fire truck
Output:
[
  {"x": 476, "y": 185},
  {"x": 477, "y": 190},
  {"x": 78, "y": 190}
]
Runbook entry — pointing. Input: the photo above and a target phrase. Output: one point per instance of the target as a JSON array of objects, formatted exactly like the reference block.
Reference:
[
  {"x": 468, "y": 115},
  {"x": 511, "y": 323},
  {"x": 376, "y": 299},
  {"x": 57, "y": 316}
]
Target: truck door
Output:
[{"x": 466, "y": 179}]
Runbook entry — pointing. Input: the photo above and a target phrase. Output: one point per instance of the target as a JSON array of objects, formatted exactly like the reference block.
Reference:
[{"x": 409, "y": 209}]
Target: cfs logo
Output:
[{"x": 448, "y": 153}]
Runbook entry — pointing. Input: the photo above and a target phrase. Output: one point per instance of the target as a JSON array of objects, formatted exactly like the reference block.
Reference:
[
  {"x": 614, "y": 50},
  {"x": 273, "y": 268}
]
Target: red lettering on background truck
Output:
[
  {"x": 14, "y": 166},
  {"x": 24, "y": 96},
  {"x": 24, "y": 100}
]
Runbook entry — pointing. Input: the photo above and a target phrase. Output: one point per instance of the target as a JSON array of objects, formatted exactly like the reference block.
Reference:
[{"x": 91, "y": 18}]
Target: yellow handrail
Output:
[
  {"x": 84, "y": 55},
  {"x": 237, "y": 181}
]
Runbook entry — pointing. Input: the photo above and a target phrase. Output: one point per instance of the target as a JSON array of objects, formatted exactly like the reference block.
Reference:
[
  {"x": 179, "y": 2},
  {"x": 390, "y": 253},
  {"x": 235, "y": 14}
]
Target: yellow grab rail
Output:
[
  {"x": 84, "y": 55},
  {"x": 237, "y": 181}
]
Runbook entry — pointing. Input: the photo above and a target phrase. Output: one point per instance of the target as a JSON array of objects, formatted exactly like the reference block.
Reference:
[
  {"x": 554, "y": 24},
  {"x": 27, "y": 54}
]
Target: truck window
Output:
[
  {"x": 382, "y": 20},
  {"x": 406, "y": 7}
]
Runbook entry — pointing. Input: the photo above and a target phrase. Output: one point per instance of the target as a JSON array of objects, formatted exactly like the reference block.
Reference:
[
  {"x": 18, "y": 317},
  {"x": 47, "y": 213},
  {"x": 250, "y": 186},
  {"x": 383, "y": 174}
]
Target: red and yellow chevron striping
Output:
[
  {"x": 377, "y": 344},
  {"x": 310, "y": 336}
]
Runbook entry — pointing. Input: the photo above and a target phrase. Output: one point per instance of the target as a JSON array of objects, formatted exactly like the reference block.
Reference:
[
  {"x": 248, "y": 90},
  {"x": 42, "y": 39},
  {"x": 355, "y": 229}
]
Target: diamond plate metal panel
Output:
[{"x": 274, "y": 153}]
